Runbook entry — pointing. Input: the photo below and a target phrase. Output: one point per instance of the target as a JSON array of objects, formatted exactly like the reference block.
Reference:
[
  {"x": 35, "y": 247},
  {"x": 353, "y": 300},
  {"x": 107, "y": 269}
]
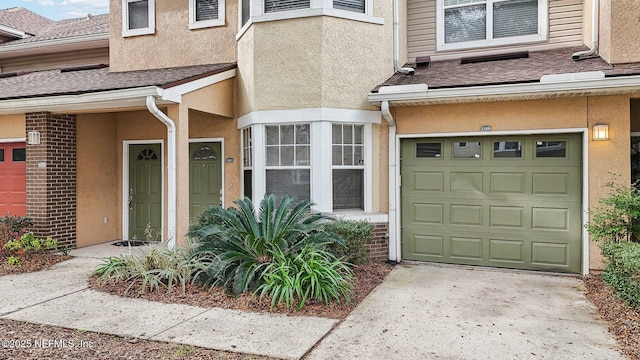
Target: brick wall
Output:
[
  {"x": 51, "y": 177},
  {"x": 380, "y": 244}
]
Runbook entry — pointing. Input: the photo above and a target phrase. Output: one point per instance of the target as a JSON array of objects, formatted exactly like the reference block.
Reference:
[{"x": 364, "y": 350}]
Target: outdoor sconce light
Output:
[
  {"x": 33, "y": 137},
  {"x": 600, "y": 132}
]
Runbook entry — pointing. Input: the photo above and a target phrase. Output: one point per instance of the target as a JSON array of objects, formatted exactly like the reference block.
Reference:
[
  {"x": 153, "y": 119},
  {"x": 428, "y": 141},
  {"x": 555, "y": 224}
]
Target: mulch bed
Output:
[
  {"x": 368, "y": 276},
  {"x": 623, "y": 321},
  {"x": 29, "y": 262}
]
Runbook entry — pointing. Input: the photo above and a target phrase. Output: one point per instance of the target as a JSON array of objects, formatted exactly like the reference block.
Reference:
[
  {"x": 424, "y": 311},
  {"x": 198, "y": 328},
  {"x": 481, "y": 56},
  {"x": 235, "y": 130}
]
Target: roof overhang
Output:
[
  {"x": 54, "y": 45},
  {"x": 420, "y": 94},
  {"x": 111, "y": 100}
]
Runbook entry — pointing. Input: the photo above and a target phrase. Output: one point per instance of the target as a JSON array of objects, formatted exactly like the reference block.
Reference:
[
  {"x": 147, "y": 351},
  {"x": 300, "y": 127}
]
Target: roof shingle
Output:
[
  {"x": 90, "y": 25},
  {"x": 56, "y": 82},
  {"x": 24, "y": 20}
]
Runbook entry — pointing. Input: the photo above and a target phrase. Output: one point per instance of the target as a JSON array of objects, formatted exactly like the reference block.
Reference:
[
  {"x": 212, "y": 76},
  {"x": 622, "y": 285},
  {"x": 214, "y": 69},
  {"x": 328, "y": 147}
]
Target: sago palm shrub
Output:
[{"x": 245, "y": 241}]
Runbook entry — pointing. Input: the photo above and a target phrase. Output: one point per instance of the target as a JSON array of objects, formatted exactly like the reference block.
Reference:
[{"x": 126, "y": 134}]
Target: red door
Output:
[{"x": 13, "y": 179}]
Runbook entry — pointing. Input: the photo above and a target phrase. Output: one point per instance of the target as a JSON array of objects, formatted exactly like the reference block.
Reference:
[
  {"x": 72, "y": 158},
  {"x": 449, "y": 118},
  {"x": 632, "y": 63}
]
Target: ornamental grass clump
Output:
[{"x": 282, "y": 250}]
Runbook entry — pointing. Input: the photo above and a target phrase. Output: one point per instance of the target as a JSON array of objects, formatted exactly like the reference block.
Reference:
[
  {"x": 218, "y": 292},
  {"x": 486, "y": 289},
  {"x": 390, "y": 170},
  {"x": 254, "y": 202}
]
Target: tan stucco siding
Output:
[
  {"x": 604, "y": 157},
  {"x": 565, "y": 29},
  {"x": 173, "y": 44},
  {"x": 214, "y": 99},
  {"x": 12, "y": 127},
  {"x": 56, "y": 61},
  {"x": 619, "y": 27},
  {"x": 333, "y": 63},
  {"x": 97, "y": 185}
]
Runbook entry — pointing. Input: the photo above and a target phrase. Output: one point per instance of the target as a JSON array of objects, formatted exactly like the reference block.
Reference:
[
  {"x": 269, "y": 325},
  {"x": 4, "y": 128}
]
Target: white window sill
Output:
[
  {"x": 138, "y": 32},
  {"x": 304, "y": 13},
  {"x": 492, "y": 43},
  {"x": 357, "y": 215},
  {"x": 206, "y": 24}
]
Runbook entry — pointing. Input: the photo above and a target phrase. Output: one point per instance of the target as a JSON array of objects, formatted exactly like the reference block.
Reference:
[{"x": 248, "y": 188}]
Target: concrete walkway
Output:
[{"x": 419, "y": 312}]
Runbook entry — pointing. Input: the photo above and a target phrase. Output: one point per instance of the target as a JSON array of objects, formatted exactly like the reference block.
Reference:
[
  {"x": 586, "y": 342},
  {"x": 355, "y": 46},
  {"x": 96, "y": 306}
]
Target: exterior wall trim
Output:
[
  {"x": 125, "y": 183},
  {"x": 310, "y": 115},
  {"x": 174, "y": 94},
  {"x": 12, "y": 140},
  {"x": 395, "y": 241}
]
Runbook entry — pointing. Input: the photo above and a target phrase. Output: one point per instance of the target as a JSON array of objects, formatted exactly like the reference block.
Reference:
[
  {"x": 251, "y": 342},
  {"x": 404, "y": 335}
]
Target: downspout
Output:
[
  {"x": 171, "y": 168},
  {"x": 394, "y": 239},
  {"x": 595, "y": 21},
  {"x": 396, "y": 41}
]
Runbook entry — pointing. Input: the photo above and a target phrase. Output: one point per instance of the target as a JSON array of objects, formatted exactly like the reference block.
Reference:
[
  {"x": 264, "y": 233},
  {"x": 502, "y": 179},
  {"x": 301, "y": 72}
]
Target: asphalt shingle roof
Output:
[
  {"x": 57, "y": 82},
  {"x": 22, "y": 19},
  {"x": 44, "y": 29},
  {"x": 452, "y": 73}
]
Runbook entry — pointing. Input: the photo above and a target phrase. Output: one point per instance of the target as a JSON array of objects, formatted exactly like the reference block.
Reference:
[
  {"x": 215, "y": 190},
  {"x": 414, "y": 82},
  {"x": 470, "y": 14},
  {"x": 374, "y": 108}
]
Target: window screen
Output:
[
  {"x": 514, "y": 18},
  {"x": 206, "y": 10},
  {"x": 350, "y": 5},
  {"x": 138, "y": 12},
  {"x": 348, "y": 166},
  {"x": 467, "y": 23},
  {"x": 284, "y": 5}
]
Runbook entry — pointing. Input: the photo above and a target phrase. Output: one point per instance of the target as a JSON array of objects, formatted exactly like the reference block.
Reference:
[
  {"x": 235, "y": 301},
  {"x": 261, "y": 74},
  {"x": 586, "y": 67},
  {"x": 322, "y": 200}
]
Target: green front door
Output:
[
  {"x": 205, "y": 177},
  {"x": 510, "y": 202},
  {"x": 145, "y": 190}
]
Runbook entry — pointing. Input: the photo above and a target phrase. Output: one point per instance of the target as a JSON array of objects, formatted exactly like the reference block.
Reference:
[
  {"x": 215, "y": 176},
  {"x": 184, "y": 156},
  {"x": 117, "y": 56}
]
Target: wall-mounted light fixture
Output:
[
  {"x": 33, "y": 137},
  {"x": 600, "y": 132}
]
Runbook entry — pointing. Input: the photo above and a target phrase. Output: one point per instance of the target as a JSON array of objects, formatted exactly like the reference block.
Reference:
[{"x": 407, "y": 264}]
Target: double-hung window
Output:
[
  {"x": 285, "y": 5},
  {"x": 476, "y": 23},
  {"x": 138, "y": 17},
  {"x": 348, "y": 166},
  {"x": 206, "y": 13},
  {"x": 288, "y": 160}
]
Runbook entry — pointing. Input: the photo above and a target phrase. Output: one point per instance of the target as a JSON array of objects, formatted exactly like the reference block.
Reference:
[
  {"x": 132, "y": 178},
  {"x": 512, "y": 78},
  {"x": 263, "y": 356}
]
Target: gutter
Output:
[
  {"x": 171, "y": 168},
  {"x": 396, "y": 41},
  {"x": 420, "y": 93},
  {"x": 595, "y": 21},
  {"x": 393, "y": 236}
]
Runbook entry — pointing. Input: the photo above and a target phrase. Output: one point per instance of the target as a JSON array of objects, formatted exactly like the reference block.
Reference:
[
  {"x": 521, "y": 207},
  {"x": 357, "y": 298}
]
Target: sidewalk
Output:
[{"x": 419, "y": 312}]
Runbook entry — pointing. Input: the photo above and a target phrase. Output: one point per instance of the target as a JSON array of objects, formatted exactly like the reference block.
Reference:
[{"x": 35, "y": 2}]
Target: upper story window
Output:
[
  {"x": 138, "y": 17},
  {"x": 206, "y": 13},
  {"x": 269, "y": 10},
  {"x": 477, "y": 23}
]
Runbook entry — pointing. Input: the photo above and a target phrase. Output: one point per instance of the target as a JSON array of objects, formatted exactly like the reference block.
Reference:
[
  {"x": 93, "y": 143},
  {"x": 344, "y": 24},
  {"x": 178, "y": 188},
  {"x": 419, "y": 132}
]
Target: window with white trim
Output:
[
  {"x": 348, "y": 166},
  {"x": 288, "y": 160},
  {"x": 138, "y": 17},
  {"x": 476, "y": 23},
  {"x": 206, "y": 13},
  {"x": 247, "y": 162},
  {"x": 285, "y": 5}
]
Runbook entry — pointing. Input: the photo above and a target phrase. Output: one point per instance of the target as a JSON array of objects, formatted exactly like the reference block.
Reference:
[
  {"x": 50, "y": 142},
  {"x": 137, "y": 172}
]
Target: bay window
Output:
[
  {"x": 348, "y": 166},
  {"x": 288, "y": 160}
]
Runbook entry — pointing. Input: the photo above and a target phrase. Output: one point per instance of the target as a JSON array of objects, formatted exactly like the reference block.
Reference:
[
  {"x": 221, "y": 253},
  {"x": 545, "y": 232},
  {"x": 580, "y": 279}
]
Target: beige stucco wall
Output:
[
  {"x": 12, "y": 126},
  {"x": 604, "y": 157},
  {"x": 619, "y": 27},
  {"x": 173, "y": 44},
  {"x": 334, "y": 62},
  {"x": 96, "y": 182}
]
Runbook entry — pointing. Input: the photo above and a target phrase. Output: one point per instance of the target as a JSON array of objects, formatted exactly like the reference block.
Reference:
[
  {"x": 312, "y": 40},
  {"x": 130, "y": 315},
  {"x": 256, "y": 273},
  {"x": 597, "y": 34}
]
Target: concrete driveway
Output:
[{"x": 445, "y": 312}]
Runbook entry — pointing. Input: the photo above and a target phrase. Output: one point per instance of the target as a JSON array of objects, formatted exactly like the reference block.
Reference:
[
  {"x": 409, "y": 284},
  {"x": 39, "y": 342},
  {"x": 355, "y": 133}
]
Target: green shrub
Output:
[
  {"x": 357, "y": 236},
  {"x": 153, "y": 269},
  {"x": 245, "y": 242},
  {"x": 13, "y": 261},
  {"x": 28, "y": 242},
  {"x": 313, "y": 273},
  {"x": 12, "y": 227},
  {"x": 623, "y": 270},
  {"x": 617, "y": 216}
]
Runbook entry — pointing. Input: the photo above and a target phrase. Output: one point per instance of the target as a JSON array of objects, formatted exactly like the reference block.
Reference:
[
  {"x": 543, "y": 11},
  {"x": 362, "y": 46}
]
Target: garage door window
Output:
[
  {"x": 551, "y": 149},
  {"x": 467, "y": 150},
  {"x": 1, "y": 155},
  {"x": 19, "y": 155},
  {"x": 507, "y": 149},
  {"x": 429, "y": 150}
]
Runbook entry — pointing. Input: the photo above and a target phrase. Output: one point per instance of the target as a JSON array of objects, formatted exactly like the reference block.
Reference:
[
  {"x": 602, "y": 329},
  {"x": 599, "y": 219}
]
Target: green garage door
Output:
[{"x": 511, "y": 202}]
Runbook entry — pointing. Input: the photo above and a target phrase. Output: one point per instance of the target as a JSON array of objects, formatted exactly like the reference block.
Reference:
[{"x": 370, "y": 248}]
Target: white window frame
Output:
[
  {"x": 321, "y": 121},
  {"x": 220, "y": 21},
  {"x": 151, "y": 29},
  {"x": 362, "y": 166},
  {"x": 543, "y": 26},
  {"x": 317, "y": 8}
]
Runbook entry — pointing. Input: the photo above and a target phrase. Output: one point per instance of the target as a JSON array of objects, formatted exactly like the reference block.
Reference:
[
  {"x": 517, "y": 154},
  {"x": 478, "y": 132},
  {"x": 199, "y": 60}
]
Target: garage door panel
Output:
[
  {"x": 510, "y": 183},
  {"x": 507, "y": 216},
  {"x": 13, "y": 183},
  {"x": 511, "y": 251},
  {"x": 523, "y": 213}
]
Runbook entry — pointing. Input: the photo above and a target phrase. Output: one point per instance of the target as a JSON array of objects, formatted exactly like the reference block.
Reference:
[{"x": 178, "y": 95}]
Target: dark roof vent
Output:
[
  {"x": 423, "y": 61},
  {"x": 497, "y": 57},
  {"x": 83, "y": 67}
]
